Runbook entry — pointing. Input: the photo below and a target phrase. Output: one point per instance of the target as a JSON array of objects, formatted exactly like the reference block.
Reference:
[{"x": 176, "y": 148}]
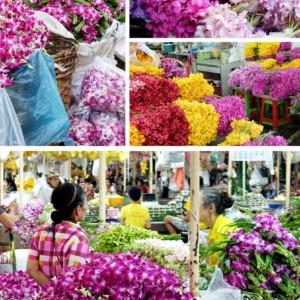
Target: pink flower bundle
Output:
[
  {"x": 87, "y": 20},
  {"x": 174, "y": 18},
  {"x": 270, "y": 140},
  {"x": 230, "y": 108},
  {"x": 103, "y": 91},
  {"x": 172, "y": 68},
  {"x": 20, "y": 35}
]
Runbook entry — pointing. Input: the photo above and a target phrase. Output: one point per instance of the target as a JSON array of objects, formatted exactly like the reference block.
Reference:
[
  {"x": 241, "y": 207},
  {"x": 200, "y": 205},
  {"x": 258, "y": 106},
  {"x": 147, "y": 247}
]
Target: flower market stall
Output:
[
  {"x": 64, "y": 74},
  {"x": 248, "y": 92},
  {"x": 214, "y": 19}
]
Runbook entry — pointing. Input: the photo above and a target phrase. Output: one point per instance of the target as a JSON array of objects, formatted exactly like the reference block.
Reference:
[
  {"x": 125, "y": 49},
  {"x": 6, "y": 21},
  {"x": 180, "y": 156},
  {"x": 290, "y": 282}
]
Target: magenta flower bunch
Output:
[
  {"x": 20, "y": 35},
  {"x": 28, "y": 221},
  {"x": 281, "y": 58},
  {"x": 295, "y": 53},
  {"x": 262, "y": 258},
  {"x": 285, "y": 46},
  {"x": 19, "y": 286},
  {"x": 230, "y": 108},
  {"x": 103, "y": 91},
  {"x": 174, "y": 18},
  {"x": 252, "y": 78},
  {"x": 117, "y": 277},
  {"x": 285, "y": 83},
  {"x": 171, "y": 68},
  {"x": 270, "y": 140},
  {"x": 87, "y": 20}
]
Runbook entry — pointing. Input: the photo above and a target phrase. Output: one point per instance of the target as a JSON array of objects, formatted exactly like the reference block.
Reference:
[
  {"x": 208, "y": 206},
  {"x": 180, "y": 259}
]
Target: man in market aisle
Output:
[
  {"x": 52, "y": 181},
  {"x": 135, "y": 214}
]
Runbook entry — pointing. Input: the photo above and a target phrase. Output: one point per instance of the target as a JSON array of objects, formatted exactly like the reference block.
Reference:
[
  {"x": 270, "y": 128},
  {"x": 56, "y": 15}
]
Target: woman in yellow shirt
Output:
[
  {"x": 213, "y": 204},
  {"x": 135, "y": 214}
]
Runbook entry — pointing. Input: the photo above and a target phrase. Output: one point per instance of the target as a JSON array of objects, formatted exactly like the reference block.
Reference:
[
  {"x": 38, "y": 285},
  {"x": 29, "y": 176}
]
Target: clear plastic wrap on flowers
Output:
[
  {"x": 38, "y": 105},
  {"x": 103, "y": 90},
  {"x": 20, "y": 35},
  {"x": 149, "y": 91}
]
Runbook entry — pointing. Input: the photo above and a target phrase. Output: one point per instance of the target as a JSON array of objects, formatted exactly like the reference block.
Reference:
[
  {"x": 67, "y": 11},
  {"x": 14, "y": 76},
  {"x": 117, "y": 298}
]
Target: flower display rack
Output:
[
  {"x": 274, "y": 112},
  {"x": 252, "y": 103}
]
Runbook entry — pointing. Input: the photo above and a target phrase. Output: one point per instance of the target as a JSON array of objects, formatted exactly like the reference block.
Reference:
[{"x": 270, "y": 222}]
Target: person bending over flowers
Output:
[
  {"x": 63, "y": 243},
  {"x": 213, "y": 204}
]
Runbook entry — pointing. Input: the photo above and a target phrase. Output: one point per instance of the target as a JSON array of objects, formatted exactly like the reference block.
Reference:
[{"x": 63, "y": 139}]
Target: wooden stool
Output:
[
  {"x": 274, "y": 112},
  {"x": 252, "y": 103}
]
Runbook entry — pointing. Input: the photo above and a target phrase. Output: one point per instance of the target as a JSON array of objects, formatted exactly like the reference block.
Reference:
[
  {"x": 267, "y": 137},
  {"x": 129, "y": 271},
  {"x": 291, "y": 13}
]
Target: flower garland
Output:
[
  {"x": 148, "y": 91},
  {"x": 229, "y": 108},
  {"x": 148, "y": 69},
  {"x": 194, "y": 87},
  {"x": 20, "y": 35},
  {"x": 243, "y": 131},
  {"x": 165, "y": 126},
  {"x": 203, "y": 121},
  {"x": 136, "y": 138},
  {"x": 117, "y": 276}
]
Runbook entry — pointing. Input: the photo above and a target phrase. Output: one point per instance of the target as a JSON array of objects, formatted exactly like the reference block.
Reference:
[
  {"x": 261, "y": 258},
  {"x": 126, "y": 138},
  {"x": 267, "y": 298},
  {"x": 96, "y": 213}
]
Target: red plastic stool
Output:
[{"x": 274, "y": 112}]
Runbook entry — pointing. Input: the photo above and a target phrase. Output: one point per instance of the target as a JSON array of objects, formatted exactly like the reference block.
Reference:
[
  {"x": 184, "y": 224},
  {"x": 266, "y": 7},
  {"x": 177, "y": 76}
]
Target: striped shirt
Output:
[{"x": 71, "y": 248}]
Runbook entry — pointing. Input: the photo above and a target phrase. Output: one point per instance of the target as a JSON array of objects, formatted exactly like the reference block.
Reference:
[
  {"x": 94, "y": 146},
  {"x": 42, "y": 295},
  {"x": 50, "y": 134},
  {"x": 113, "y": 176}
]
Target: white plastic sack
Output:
[
  {"x": 219, "y": 289},
  {"x": 144, "y": 48},
  {"x": 53, "y": 25},
  {"x": 257, "y": 179},
  {"x": 99, "y": 63},
  {"x": 10, "y": 130}
]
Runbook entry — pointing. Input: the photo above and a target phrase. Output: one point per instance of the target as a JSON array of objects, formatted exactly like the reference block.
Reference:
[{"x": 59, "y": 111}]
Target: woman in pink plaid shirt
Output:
[{"x": 64, "y": 243}]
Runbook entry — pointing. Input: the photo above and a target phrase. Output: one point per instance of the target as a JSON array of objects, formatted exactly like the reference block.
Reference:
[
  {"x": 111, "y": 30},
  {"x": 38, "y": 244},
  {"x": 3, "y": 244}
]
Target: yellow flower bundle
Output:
[
  {"x": 242, "y": 131},
  {"x": 250, "y": 50},
  {"x": 203, "y": 121},
  {"x": 294, "y": 64},
  {"x": 269, "y": 64},
  {"x": 268, "y": 49},
  {"x": 149, "y": 69},
  {"x": 136, "y": 137},
  {"x": 142, "y": 56},
  {"x": 194, "y": 87}
]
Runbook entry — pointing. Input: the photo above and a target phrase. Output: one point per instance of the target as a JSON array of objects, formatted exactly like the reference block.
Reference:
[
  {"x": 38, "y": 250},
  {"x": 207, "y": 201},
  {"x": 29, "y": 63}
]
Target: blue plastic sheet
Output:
[
  {"x": 38, "y": 105},
  {"x": 10, "y": 129}
]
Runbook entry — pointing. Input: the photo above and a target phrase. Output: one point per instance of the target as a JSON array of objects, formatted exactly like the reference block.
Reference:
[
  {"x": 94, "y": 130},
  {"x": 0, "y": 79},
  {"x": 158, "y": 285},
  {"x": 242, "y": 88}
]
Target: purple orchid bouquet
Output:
[
  {"x": 269, "y": 140},
  {"x": 20, "y": 35},
  {"x": 19, "y": 286},
  {"x": 172, "y": 68},
  {"x": 117, "y": 277},
  {"x": 230, "y": 108},
  {"x": 87, "y": 20},
  {"x": 261, "y": 258},
  {"x": 29, "y": 221}
]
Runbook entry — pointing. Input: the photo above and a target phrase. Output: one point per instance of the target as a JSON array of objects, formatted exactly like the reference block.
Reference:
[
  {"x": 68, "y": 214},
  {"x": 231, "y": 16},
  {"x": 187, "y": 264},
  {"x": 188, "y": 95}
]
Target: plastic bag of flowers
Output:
[
  {"x": 117, "y": 277},
  {"x": 261, "y": 258}
]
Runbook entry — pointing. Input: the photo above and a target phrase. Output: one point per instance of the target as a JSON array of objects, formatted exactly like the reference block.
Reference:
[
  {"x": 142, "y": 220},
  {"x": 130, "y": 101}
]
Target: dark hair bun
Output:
[
  {"x": 56, "y": 217},
  {"x": 226, "y": 201}
]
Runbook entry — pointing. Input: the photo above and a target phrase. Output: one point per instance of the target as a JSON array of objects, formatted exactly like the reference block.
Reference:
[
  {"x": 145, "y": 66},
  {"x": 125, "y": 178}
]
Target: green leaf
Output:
[{"x": 79, "y": 26}]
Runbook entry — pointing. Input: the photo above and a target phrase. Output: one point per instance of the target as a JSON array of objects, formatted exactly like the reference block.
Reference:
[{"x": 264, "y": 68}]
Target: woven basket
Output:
[{"x": 64, "y": 52}]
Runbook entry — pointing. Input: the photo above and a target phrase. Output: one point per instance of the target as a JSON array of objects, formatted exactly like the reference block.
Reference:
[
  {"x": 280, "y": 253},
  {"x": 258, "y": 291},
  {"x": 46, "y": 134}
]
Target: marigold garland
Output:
[
  {"x": 203, "y": 121},
  {"x": 243, "y": 131},
  {"x": 269, "y": 64},
  {"x": 136, "y": 138},
  {"x": 268, "y": 49},
  {"x": 148, "y": 69},
  {"x": 194, "y": 87},
  {"x": 250, "y": 50}
]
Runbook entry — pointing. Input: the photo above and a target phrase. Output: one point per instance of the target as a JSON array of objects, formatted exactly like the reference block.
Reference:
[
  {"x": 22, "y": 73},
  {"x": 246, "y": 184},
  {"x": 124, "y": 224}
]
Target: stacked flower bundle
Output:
[
  {"x": 280, "y": 84},
  {"x": 171, "y": 68},
  {"x": 213, "y": 19},
  {"x": 117, "y": 276},
  {"x": 262, "y": 259},
  {"x": 20, "y": 35},
  {"x": 103, "y": 100},
  {"x": 269, "y": 140},
  {"x": 87, "y": 20},
  {"x": 107, "y": 276}
]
